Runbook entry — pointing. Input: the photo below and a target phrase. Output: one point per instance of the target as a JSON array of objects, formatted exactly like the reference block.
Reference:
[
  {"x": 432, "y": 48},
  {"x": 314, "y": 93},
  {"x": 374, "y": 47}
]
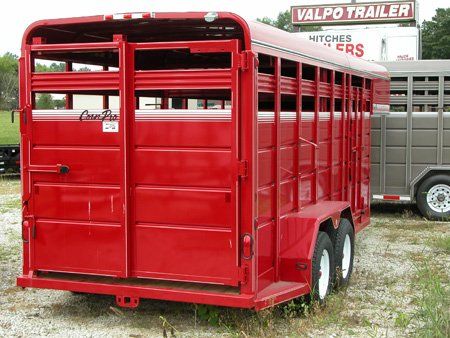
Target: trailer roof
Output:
[
  {"x": 419, "y": 67},
  {"x": 170, "y": 26},
  {"x": 271, "y": 37}
]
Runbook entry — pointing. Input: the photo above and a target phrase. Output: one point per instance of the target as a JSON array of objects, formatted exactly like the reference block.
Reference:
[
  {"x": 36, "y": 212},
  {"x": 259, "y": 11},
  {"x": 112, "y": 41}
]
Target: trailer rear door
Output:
[
  {"x": 150, "y": 192},
  {"x": 183, "y": 170}
]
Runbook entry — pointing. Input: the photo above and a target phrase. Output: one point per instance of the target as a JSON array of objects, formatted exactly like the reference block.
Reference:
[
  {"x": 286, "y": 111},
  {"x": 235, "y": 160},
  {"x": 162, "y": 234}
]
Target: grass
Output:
[
  {"x": 9, "y": 186},
  {"x": 9, "y": 133},
  {"x": 442, "y": 244},
  {"x": 433, "y": 303}
]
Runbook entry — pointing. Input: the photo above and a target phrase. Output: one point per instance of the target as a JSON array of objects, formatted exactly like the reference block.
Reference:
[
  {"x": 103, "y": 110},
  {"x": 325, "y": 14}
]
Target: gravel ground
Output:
[{"x": 381, "y": 294}]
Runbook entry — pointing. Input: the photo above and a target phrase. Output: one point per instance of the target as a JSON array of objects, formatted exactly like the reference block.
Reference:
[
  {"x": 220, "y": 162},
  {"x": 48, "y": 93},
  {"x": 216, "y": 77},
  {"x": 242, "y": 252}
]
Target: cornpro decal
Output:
[{"x": 106, "y": 115}]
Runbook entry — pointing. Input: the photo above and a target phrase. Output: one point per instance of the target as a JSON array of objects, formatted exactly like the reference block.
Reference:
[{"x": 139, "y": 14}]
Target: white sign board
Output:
[{"x": 374, "y": 44}]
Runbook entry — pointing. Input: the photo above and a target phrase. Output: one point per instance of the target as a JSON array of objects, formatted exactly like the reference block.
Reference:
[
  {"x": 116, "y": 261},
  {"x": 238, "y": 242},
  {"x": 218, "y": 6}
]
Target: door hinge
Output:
[
  {"x": 242, "y": 168},
  {"x": 244, "y": 59}
]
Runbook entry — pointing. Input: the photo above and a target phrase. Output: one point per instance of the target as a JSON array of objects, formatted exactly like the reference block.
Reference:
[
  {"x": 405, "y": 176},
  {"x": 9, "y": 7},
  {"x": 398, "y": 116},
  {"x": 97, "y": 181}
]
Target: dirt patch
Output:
[{"x": 383, "y": 298}]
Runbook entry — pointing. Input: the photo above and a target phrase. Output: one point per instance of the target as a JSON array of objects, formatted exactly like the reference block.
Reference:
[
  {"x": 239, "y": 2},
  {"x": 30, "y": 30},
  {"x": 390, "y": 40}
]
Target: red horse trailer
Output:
[{"x": 225, "y": 162}]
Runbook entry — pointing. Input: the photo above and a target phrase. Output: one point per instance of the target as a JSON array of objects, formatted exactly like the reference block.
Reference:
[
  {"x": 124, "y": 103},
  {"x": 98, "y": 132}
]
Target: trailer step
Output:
[
  {"x": 280, "y": 292},
  {"x": 131, "y": 290}
]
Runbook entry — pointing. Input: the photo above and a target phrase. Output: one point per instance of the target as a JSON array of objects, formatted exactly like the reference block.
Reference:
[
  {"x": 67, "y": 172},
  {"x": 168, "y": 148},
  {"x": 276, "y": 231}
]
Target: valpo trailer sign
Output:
[{"x": 398, "y": 11}]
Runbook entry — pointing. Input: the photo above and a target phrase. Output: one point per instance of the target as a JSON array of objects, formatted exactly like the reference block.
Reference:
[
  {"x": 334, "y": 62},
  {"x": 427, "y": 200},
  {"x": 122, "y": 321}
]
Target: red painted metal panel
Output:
[
  {"x": 308, "y": 87},
  {"x": 183, "y": 167},
  {"x": 266, "y": 83},
  {"x": 186, "y": 134},
  {"x": 76, "y": 201},
  {"x": 59, "y": 47},
  {"x": 266, "y": 210},
  {"x": 207, "y": 207},
  {"x": 266, "y": 134},
  {"x": 288, "y": 131},
  {"x": 87, "y": 164},
  {"x": 187, "y": 164},
  {"x": 265, "y": 247},
  {"x": 174, "y": 249},
  {"x": 56, "y": 134},
  {"x": 71, "y": 81},
  {"x": 77, "y": 246},
  {"x": 183, "y": 79},
  {"x": 288, "y": 85},
  {"x": 139, "y": 290},
  {"x": 287, "y": 155},
  {"x": 266, "y": 173},
  {"x": 287, "y": 196}
]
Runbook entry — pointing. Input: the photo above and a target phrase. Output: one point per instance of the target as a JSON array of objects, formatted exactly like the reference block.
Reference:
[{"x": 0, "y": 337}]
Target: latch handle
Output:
[
  {"x": 25, "y": 226},
  {"x": 247, "y": 246},
  {"x": 15, "y": 111},
  {"x": 54, "y": 169}
]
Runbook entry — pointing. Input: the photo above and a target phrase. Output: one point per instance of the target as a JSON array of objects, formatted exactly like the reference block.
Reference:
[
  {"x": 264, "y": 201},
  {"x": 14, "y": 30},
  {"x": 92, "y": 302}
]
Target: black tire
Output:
[
  {"x": 323, "y": 243},
  {"x": 345, "y": 229},
  {"x": 431, "y": 183}
]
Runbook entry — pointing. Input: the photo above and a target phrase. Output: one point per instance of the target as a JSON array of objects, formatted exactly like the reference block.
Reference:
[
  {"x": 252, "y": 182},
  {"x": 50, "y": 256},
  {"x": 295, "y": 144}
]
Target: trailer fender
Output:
[
  {"x": 424, "y": 174},
  {"x": 299, "y": 234}
]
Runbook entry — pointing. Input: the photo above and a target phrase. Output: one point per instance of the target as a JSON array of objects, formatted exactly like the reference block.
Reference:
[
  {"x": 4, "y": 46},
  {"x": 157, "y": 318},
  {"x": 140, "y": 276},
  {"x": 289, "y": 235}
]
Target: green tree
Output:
[
  {"x": 44, "y": 101},
  {"x": 436, "y": 36},
  {"x": 283, "y": 21},
  {"x": 47, "y": 101},
  {"x": 53, "y": 67},
  {"x": 9, "y": 92}
]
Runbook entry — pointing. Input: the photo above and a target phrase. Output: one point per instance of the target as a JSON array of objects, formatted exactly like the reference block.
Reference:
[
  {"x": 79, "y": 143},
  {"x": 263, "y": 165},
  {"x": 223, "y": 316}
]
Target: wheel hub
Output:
[{"x": 438, "y": 198}]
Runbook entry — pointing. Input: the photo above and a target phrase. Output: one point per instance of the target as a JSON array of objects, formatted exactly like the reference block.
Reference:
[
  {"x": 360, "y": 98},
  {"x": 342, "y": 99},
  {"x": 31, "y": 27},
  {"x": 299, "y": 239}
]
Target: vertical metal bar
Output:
[
  {"x": 69, "y": 97},
  {"x": 440, "y": 144},
  {"x": 277, "y": 111},
  {"x": 127, "y": 102},
  {"x": 137, "y": 102},
  {"x": 383, "y": 153},
  {"x": 315, "y": 188},
  {"x": 349, "y": 139},
  {"x": 249, "y": 150},
  {"x": 331, "y": 133},
  {"x": 27, "y": 99},
  {"x": 235, "y": 150},
  {"x": 343, "y": 135},
  {"x": 369, "y": 144},
  {"x": 105, "y": 98},
  {"x": 164, "y": 101},
  {"x": 409, "y": 117},
  {"x": 297, "y": 134},
  {"x": 360, "y": 141}
]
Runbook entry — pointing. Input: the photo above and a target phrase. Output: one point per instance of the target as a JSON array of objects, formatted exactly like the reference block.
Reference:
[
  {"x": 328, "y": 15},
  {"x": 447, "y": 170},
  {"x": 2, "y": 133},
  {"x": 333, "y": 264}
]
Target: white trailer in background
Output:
[{"x": 373, "y": 44}]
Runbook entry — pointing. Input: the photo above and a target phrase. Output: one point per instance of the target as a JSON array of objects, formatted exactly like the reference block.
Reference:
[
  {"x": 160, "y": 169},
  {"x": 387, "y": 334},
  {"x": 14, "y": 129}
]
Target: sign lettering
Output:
[{"x": 398, "y": 11}]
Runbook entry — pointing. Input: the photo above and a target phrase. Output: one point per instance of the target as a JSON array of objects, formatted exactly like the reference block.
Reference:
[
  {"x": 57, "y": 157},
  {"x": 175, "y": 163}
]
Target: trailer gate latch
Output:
[
  {"x": 56, "y": 169},
  {"x": 247, "y": 246}
]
